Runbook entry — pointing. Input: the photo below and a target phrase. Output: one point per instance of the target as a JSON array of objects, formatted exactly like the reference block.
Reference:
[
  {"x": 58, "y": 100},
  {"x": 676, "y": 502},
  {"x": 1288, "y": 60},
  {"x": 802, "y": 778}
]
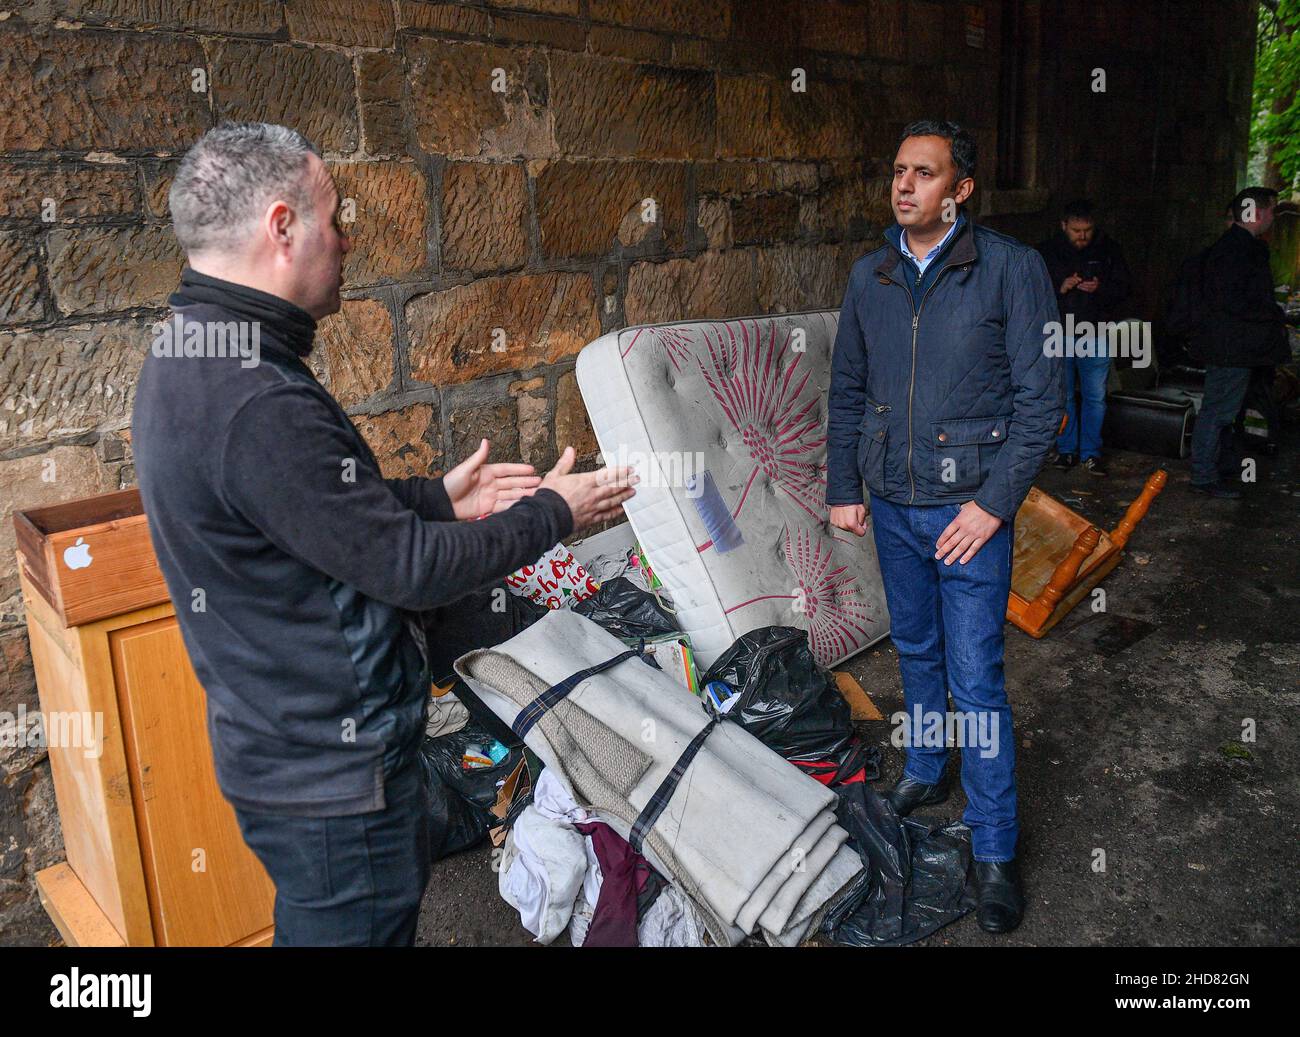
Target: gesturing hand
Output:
[
  {"x": 592, "y": 497},
  {"x": 477, "y": 489},
  {"x": 968, "y": 532}
]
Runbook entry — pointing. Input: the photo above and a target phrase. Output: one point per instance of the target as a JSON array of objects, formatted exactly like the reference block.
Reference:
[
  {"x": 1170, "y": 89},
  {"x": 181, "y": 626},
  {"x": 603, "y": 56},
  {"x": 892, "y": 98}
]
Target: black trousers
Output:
[{"x": 350, "y": 881}]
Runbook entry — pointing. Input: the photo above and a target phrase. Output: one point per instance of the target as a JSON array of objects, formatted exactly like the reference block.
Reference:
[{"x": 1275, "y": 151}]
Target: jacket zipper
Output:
[{"x": 916, "y": 319}]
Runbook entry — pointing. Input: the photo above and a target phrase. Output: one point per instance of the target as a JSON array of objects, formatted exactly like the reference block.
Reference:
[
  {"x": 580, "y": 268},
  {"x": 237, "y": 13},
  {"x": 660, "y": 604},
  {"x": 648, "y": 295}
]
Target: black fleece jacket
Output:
[
  {"x": 294, "y": 565},
  {"x": 1245, "y": 326},
  {"x": 1115, "y": 282}
]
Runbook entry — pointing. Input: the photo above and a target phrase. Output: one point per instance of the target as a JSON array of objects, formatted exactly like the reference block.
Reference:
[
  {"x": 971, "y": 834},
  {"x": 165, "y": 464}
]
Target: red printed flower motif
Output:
[
  {"x": 827, "y": 597},
  {"x": 759, "y": 385},
  {"x": 674, "y": 342}
]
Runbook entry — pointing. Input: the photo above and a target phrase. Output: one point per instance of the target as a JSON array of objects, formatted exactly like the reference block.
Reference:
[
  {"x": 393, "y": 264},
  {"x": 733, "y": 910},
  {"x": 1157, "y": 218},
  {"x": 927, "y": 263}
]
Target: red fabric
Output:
[
  {"x": 825, "y": 771},
  {"x": 624, "y": 873}
]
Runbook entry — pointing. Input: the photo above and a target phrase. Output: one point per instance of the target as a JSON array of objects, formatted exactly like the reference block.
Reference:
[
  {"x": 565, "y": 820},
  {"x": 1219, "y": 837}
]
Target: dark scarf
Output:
[{"x": 286, "y": 323}]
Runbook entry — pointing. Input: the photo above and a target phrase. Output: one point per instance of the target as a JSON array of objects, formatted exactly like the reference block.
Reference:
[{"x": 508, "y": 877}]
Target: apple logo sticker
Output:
[{"x": 78, "y": 555}]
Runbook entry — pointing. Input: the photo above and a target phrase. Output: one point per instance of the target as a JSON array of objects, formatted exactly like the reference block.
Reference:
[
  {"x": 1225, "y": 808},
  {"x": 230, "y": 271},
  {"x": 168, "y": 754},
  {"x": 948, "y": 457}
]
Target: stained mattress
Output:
[{"x": 725, "y": 422}]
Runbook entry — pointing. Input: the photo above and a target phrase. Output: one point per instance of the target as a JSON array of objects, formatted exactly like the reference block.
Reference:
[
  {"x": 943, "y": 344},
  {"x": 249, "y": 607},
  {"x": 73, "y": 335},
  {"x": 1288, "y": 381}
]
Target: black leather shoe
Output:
[
  {"x": 1065, "y": 461},
  {"x": 1001, "y": 904},
  {"x": 908, "y": 794}
]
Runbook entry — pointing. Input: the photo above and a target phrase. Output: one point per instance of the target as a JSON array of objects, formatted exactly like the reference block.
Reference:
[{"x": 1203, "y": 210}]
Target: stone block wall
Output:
[{"x": 522, "y": 176}]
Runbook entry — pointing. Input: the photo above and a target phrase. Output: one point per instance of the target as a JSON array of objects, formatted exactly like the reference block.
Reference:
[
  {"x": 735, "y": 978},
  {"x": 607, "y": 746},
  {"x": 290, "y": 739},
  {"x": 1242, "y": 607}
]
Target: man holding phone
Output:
[{"x": 1091, "y": 279}]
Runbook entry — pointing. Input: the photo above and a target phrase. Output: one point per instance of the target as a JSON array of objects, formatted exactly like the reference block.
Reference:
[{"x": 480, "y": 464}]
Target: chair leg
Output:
[
  {"x": 1063, "y": 577},
  {"x": 1137, "y": 510}
]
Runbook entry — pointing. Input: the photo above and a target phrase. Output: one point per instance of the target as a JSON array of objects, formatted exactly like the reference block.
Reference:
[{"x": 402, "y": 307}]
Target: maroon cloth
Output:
[{"x": 624, "y": 874}]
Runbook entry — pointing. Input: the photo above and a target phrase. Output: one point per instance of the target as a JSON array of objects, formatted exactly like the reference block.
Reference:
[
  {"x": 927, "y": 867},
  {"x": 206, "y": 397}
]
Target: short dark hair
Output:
[
  {"x": 1079, "y": 209},
  {"x": 1263, "y": 197},
  {"x": 961, "y": 143}
]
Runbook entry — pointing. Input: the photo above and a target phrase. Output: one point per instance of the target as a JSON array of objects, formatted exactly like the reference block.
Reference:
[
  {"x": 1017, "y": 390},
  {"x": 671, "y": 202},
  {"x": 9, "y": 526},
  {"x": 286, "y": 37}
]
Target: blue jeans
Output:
[
  {"x": 1082, "y": 433},
  {"x": 351, "y": 881},
  {"x": 1212, "y": 455},
  {"x": 947, "y": 623}
]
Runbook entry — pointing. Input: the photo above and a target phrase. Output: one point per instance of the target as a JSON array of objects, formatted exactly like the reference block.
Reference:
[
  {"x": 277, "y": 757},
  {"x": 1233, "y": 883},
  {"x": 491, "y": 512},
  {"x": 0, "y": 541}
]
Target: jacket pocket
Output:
[
  {"x": 872, "y": 446},
  {"x": 964, "y": 451}
]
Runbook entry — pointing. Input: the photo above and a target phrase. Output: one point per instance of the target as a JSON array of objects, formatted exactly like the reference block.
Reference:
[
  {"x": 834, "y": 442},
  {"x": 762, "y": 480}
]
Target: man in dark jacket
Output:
[
  {"x": 1091, "y": 279},
  {"x": 296, "y": 568},
  {"x": 945, "y": 401},
  {"x": 1244, "y": 329}
]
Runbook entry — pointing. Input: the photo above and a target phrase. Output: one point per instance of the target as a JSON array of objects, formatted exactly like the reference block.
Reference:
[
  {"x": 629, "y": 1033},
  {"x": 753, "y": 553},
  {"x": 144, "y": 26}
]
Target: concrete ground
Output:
[{"x": 1128, "y": 734}]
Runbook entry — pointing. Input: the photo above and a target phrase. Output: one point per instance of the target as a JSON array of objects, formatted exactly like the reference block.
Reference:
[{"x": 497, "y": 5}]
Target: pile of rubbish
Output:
[{"x": 641, "y": 803}]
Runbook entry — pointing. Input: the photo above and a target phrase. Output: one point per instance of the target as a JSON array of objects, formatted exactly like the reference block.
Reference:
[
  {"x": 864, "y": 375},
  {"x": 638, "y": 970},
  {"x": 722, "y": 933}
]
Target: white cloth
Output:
[
  {"x": 542, "y": 872},
  {"x": 541, "y": 859},
  {"x": 446, "y": 715},
  {"x": 552, "y": 800},
  {"x": 671, "y": 921}
]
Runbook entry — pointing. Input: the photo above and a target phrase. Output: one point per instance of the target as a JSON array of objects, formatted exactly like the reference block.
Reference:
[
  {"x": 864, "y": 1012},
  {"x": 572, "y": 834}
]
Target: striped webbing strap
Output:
[{"x": 535, "y": 710}]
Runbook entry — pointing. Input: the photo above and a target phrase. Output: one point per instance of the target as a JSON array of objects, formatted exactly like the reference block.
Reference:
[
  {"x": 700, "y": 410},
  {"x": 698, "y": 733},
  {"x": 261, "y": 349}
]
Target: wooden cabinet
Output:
[{"x": 154, "y": 854}]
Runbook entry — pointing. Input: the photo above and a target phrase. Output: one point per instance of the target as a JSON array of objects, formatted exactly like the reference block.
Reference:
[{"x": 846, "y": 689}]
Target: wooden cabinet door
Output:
[{"x": 205, "y": 886}]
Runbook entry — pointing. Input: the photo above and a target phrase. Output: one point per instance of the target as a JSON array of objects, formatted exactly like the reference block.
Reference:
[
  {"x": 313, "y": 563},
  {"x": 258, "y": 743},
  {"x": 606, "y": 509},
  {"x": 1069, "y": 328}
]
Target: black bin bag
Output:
[
  {"x": 627, "y": 611},
  {"x": 787, "y": 701},
  {"x": 460, "y": 801},
  {"x": 455, "y": 824},
  {"x": 915, "y": 879}
]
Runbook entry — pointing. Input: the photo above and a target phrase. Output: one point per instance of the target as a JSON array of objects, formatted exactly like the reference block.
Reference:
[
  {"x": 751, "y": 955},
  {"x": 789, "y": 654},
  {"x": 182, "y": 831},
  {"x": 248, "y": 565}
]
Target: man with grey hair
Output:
[{"x": 295, "y": 566}]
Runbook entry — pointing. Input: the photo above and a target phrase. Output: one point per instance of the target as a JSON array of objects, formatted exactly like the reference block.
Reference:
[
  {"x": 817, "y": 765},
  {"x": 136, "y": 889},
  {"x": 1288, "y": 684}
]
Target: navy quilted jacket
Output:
[{"x": 952, "y": 397}]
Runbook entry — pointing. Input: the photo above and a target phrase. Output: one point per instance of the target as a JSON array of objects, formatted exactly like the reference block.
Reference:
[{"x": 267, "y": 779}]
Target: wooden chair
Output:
[{"x": 1060, "y": 556}]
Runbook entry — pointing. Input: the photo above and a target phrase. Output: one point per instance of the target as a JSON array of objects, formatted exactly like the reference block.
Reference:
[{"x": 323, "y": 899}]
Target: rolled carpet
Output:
[{"x": 750, "y": 838}]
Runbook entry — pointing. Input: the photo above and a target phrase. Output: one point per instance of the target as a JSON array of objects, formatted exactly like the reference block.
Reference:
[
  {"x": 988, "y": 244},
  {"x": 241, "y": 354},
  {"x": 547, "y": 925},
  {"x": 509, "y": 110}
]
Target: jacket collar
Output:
[
  {"x": 280, "y": 320},
  {"x": 1243, "y": 238},
  {"x": 961, "y": 249}
]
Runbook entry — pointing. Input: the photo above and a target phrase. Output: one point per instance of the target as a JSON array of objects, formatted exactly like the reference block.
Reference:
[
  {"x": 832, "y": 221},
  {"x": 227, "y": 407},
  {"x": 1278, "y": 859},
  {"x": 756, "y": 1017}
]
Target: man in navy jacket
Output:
[{"x": 945, "y": 402}]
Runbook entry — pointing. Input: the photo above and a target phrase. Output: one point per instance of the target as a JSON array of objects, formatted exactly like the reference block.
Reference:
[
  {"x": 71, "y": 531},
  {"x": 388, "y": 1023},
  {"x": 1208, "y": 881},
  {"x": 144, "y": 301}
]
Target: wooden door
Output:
[{"x": 205, "y": 886}]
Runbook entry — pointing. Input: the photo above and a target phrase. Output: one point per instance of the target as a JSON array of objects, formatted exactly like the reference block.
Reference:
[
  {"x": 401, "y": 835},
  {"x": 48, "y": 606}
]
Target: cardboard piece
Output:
[{"x": 518, "y": 784}]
